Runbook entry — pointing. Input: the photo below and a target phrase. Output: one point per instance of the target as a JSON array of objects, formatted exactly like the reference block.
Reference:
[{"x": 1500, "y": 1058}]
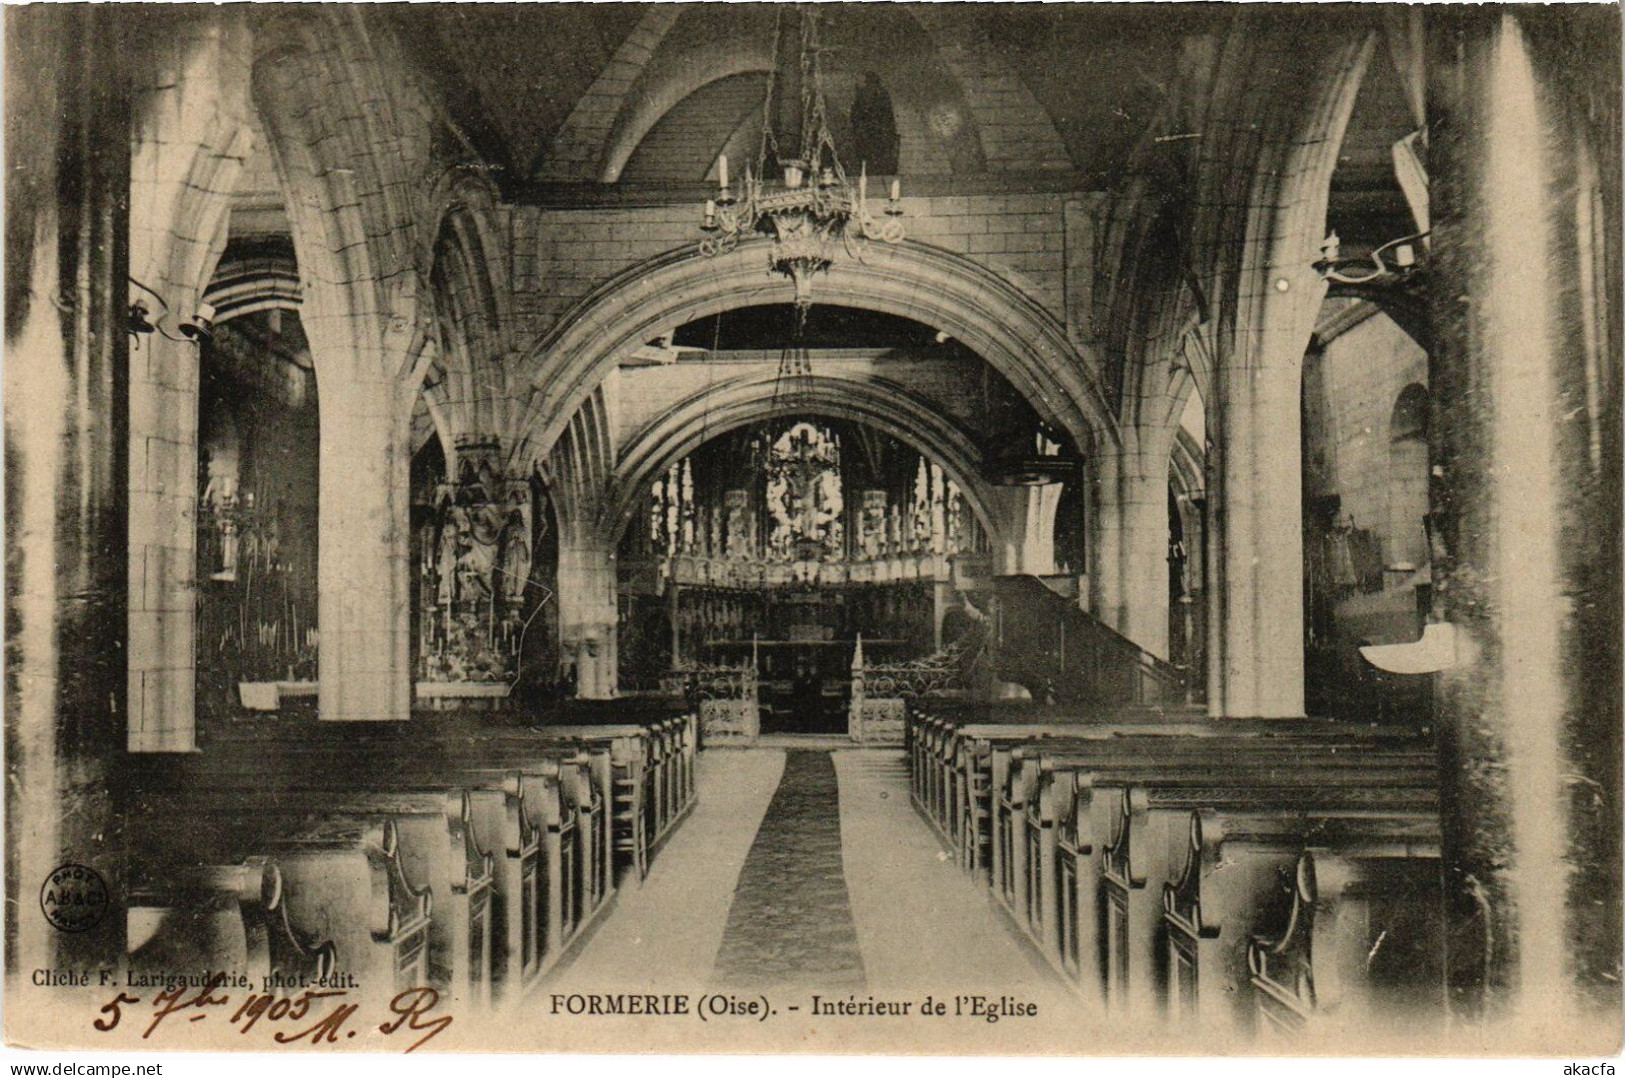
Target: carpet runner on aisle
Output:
[{"x": 790, "y": 924}]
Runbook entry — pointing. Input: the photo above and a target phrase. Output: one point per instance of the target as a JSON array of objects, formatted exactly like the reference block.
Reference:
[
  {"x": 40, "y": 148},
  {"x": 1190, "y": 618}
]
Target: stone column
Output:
[
  {"x": 588, "y": 629},
  {"x": 67, "y": 421},
  {"x": 189, "y": 138},
  {"x": 363, "y": 551},
  {"x": 163, "y": 545},
  {"x": 1132, "y": 569},
  {"x": 1264, "y": 298},
  {"x": 1258, "y": 528},
  {"x": 1525, "y": 390}
]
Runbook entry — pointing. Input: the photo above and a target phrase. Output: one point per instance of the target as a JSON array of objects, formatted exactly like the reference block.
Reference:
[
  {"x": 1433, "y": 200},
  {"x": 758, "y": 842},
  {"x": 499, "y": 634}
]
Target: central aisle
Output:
[
  {"x": 664, "y": 935},
  {"x": 791, "y": 922},
  {"x": 807, "y": 878}
]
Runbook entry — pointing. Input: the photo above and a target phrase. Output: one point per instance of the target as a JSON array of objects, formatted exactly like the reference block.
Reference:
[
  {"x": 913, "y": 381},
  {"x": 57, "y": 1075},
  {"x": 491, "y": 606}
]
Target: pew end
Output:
[{"x": 1361, "y": 946}]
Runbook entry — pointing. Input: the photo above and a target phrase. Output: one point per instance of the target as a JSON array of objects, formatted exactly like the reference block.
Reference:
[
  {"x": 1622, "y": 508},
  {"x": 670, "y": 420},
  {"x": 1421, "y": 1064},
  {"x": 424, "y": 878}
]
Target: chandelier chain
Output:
[{"x": 814, "y": 213}]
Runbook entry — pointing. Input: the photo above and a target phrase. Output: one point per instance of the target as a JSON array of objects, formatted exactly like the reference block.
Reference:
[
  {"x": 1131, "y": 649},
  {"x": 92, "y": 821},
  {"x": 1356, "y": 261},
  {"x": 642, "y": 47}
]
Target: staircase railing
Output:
[{"x": 1047, "y": 643}]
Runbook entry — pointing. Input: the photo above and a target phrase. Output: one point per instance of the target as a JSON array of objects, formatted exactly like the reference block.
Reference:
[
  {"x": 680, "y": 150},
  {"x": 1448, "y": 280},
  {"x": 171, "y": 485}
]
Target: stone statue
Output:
[{"x": 515, "y": 554}]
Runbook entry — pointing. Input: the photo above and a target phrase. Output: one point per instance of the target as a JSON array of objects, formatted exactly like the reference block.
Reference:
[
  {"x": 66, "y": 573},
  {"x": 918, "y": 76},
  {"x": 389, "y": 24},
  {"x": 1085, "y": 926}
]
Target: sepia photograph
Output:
[{"x": 847, "y": 528}]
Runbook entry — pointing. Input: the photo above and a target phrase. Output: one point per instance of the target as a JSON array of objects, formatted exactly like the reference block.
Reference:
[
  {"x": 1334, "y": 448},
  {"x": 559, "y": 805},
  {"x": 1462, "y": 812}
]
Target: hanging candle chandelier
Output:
[{"x": 811, "y": 212}]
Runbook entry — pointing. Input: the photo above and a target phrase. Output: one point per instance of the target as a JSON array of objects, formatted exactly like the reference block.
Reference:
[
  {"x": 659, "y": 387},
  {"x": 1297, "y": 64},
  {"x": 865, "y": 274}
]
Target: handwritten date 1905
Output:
[{"x": 409, "y": 1010}]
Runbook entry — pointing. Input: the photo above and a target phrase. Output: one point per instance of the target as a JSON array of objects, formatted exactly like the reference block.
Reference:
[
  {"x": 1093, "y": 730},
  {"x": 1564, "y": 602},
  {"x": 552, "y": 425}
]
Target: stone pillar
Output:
[
  {"x": 363, "y": 551},
  {"x": 163, "y": 546},
  {"x": 67, "y": 421},
  {"x": 1131, "y": 571},
  {"x": 1258, "y": 545},
  {"x": 1525, "y": 391},
  {"x": 588, "y": 630},
  {"x": 1259, "y": 225},
  {"x": 1255, "y": 638},
  {"x": 189, "y": 137}
]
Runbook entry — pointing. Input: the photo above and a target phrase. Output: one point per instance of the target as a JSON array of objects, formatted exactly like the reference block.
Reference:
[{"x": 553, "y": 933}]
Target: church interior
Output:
[{"x": 1116, "y": 504}]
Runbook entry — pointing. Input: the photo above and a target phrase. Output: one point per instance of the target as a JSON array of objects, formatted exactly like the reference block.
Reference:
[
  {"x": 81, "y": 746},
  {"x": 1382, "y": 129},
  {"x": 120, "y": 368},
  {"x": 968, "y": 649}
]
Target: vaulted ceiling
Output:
[
  {"x": 1095, "y": 74},
  {"x": 650, "y": 94}
]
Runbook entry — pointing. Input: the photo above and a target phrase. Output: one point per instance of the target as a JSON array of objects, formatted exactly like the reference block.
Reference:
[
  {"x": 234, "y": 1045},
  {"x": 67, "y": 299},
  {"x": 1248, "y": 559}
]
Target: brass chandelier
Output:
[{"x": 813, "y": 212}]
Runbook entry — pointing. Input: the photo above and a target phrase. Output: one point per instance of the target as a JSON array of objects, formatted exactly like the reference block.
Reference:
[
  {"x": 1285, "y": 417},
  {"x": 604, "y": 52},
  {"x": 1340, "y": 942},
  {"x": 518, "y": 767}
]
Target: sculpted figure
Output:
[{"x": 515, "y": 562}]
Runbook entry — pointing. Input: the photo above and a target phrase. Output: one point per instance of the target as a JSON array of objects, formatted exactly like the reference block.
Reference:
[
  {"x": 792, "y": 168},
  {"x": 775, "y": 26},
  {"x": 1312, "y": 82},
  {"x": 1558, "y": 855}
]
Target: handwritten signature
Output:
[{"x": 409, "y": 1010}]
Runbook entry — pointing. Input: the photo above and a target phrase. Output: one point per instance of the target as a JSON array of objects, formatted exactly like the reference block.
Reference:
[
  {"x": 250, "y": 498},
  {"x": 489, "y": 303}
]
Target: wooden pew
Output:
[
  {"x": 564, "y": 805},
  {"x": 989, "y": 763},
  {"x": 539, "y": 846},
  {"x": 441, "y": 849},
  {"x": 1362, "y": 940},
  {"x": 652, "y": 769},
  {"x": 1144, "y": 852},
  {"x": 974, "y": 770},
  {"x": 969, "y": 750},
  {"x": 568, "y": 791},
  {"x": 1046, "y": 811},
  {"x": 220, "y": 918},
  {"x": 1050, "y": 821},
  {"x": 448, "y": 837},
  {"x": 499, "y": 815},
  {"x": 344, "y": 881},
  {"x": 548, "y": 817},
  {"x": 651, "y": 785},
  {"x": 654, "y": 783},
  {"x": 557, "y": 841}
]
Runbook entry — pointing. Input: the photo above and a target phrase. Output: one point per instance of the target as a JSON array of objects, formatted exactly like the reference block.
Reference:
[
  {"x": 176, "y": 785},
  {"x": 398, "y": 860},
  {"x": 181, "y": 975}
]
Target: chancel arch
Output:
[
  {"x": 734, "y": 405},
  {"x": 967, "y": 301}
]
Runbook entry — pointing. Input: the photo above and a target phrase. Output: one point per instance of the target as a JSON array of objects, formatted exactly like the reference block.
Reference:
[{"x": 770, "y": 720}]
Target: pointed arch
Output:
[
  {"x": 1007, "y": 328},
  {"x": 730, "y": 405}
]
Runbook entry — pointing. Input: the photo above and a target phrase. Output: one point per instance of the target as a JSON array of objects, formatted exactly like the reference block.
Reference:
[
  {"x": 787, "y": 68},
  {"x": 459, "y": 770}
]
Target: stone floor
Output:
[{"x": 803, "y": 873}]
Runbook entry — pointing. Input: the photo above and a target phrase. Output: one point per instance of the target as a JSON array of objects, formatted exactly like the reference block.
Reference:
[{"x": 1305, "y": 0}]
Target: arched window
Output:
[{"x": 1408, "y": 479}]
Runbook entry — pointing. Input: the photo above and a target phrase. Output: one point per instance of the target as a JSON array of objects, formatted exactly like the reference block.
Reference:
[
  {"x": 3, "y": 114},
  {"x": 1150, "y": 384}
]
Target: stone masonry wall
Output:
[{"x": 560, "y": 256}]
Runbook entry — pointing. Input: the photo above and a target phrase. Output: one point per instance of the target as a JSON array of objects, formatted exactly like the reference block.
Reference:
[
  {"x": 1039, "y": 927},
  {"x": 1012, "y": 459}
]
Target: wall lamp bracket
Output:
[{"x": 200, "y": 327}]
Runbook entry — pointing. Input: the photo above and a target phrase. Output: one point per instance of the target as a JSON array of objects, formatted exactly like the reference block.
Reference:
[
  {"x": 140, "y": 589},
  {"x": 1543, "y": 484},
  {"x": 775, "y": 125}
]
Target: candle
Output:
[
  {"x": 896, "y": 190},
  {"x": 863, "y": 182},
  {"x": 722, "y": 171}
]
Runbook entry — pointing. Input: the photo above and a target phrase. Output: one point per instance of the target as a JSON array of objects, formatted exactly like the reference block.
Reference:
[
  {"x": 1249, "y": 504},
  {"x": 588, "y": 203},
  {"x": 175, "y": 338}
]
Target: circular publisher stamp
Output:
[{"x": 74, "y": 898}]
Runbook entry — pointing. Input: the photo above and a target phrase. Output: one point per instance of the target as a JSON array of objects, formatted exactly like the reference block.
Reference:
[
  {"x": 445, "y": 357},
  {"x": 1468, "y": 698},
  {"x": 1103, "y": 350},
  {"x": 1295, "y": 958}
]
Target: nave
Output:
[{"x": 442, "y": 480}]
